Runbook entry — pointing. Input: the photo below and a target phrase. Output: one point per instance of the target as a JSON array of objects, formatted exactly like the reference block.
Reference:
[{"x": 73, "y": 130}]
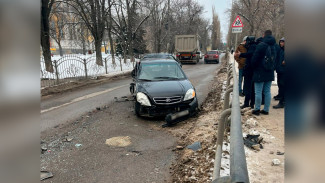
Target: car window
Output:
[
  {"x": 212, "y": 52},
  {"x": 160, "y": 71}
]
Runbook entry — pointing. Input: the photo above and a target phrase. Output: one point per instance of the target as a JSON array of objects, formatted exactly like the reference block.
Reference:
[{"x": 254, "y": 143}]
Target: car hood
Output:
[{"x": 164, "y": 88}]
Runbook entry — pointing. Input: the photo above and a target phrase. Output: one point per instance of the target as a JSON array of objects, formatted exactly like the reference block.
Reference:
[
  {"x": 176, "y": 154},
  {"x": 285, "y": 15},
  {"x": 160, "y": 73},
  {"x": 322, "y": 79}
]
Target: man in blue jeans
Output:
[{"x": 263, "y": 76}]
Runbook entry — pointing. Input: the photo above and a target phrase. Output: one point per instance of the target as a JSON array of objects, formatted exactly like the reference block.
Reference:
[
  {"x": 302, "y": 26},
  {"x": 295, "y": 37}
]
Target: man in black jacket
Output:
[
  {"x": 263, "y": 77},
  {"x": 280, "y": 70},
  {"x": 248, "y": 72}
]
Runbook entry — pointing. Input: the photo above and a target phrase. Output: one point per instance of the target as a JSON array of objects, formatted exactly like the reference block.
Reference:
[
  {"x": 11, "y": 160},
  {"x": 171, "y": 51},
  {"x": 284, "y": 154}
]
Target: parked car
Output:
[
  {"x": 162, "y": 89},
  {"x": 211, "y": 56}
]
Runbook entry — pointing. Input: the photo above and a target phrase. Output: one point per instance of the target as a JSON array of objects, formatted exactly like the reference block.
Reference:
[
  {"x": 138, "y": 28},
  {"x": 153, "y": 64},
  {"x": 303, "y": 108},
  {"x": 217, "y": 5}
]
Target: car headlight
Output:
[
  {"x": 143, "y": 99},
  {"x": 189, "y": 94}
]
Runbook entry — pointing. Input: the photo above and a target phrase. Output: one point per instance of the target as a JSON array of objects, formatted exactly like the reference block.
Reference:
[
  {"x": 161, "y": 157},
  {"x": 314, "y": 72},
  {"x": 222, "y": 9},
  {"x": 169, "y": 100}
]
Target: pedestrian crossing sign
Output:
[{"x": 237, "y": 22}]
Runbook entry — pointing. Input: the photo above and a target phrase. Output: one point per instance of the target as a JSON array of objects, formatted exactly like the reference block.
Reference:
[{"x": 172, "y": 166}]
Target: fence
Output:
[
  {"x": 69, "y": 68},
  {"x": 238, "y": 166}
]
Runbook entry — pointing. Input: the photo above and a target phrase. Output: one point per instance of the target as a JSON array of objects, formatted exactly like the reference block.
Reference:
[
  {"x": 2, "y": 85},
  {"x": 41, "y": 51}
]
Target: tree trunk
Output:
[
  {"x": 60, "y": 50},
  {"x": 124, "y": 54},
  {"x": 98, "y": 46},
  {"x": 84, "y": 51},
  {"x": 45, "y": 36},
  {"x": 112, "y": 46}
]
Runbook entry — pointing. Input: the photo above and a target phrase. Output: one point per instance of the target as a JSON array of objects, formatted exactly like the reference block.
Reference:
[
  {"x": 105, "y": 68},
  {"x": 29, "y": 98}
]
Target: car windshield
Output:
[
  {"x": 160, "y": 71},
  {"x": 212, "y": 52},
  {"x": 158, "y": 56}
]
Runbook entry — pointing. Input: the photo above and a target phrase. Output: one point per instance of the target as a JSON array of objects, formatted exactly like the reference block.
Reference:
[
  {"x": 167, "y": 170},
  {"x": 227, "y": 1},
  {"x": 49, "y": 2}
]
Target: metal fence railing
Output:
[
  {"x": 69, "y": 68},
  {"x": 238, "y": 166}
]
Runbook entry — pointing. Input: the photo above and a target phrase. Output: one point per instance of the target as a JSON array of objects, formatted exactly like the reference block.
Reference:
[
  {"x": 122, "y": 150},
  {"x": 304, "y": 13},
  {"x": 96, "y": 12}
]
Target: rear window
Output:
[{"x": 212, "y": 52}]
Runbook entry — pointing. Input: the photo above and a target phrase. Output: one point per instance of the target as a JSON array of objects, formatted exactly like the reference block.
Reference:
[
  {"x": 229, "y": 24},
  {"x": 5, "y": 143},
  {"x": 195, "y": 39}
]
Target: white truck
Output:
[{"x": 187, "y": 48}]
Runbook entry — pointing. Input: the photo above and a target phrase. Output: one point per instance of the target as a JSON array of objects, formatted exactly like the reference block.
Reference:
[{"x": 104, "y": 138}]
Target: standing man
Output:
[
  {"x": 263, "y": 63},
  {"x": 280, "y": 70},
  {"x": 241, "y": 63},
  {"x": 248, "y": 72}
]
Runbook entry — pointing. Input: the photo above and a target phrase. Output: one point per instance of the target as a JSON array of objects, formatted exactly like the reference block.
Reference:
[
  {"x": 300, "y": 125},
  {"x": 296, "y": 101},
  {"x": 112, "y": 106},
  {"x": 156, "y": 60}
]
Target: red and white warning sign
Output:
[{"x": 237, "y": 22}]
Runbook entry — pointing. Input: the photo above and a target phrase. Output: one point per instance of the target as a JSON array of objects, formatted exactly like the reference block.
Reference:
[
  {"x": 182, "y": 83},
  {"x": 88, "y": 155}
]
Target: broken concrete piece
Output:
[
  {"x": 251, "y": 122},
  {"x": 276, "y": 162},
  {"x": 254, "y": 132},
  {"x": 46, "y": 175}
]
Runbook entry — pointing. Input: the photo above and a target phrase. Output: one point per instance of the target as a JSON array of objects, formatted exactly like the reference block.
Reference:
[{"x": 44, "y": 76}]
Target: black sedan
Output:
[{"x": 162, "y": 89}]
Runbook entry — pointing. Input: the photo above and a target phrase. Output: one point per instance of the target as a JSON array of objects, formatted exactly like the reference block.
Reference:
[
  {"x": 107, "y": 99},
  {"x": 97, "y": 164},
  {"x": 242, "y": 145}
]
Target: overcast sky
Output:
[{"x": 220, "y": 7}]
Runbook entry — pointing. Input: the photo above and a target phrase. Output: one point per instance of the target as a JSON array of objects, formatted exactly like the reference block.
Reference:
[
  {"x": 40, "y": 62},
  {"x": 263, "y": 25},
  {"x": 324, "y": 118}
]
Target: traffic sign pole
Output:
[{"x": 237, "y": 27}]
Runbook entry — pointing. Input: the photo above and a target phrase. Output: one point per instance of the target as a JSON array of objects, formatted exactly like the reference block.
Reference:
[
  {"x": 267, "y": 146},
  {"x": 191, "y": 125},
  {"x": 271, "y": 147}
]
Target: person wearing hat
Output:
[
  {"x": 248, "y": 72},
  {"x": 241, "y": 63},
  {"x": 280, "y": 70}
]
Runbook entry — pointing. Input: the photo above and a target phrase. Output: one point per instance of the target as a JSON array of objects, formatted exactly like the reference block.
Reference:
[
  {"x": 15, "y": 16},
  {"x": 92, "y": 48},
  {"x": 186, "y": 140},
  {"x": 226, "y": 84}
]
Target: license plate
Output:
[{"x": 186, "y": 57}]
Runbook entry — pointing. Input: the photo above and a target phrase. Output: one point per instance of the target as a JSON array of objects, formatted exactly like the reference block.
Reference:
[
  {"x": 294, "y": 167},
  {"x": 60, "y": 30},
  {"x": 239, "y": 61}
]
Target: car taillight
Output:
[
  {"x": 205, "y": 56},
  {"x": 193, "y": 55},
  {"x": 215, "y": 56},
  {"x": 177, "y": 55}
]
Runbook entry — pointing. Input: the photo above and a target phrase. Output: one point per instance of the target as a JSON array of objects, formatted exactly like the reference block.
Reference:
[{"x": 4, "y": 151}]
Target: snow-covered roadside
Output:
[{"x": 271, "y": 129}]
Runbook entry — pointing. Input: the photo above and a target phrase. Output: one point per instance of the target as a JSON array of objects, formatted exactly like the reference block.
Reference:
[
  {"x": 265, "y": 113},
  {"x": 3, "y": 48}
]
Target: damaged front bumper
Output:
[{"x": 178, "y": 110}]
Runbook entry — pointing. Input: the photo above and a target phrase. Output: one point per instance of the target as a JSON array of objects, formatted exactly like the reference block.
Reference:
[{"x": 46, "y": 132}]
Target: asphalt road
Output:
[{"x": 146, "y": 159}]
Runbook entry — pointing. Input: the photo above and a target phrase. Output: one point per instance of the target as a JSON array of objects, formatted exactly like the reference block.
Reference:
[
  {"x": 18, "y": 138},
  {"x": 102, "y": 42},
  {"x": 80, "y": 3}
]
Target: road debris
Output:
[
  {"x": 195, "y": 146},
  {"x": 78, "y": 145},
  {"x": 276, "y": 162},
  {"x": 46, "y": 175},
  {"x": 253, "y": 142},
  {"x": 279, "y": 153},
  {"x": 179, "y": 147},
  {"x": 251, "y": 122},
  {"x": 67, "y": 139},
  {"x": 120, "y": 141}
]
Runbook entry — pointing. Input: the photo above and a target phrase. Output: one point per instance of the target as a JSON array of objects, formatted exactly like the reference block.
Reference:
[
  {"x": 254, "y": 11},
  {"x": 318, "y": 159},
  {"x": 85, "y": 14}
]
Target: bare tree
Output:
[
  {"x": 45, "y": 33},
  {"x": 59, "y": 20},
  {"x": 94, "y": 14},
  {"x": 126, "y": 24},
  {"x": 216, "y": 34}
]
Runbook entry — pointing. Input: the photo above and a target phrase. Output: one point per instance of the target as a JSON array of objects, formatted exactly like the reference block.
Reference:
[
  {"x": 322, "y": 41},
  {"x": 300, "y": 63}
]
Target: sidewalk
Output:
[{"x": 271, "y": 129}]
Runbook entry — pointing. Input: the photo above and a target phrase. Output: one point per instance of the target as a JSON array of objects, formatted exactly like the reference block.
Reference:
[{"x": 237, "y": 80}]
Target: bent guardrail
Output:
[{"x": 238, "y": 166}]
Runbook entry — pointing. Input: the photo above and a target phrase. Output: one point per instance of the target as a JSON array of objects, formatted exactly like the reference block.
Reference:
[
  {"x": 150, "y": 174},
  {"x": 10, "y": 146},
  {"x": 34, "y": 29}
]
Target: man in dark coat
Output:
[
  {"x": 248, "y": 72},
  {"x": 280, "y": 70},
  {"x": 263, "y": 77},
  {"x": 241, "y": 63}
]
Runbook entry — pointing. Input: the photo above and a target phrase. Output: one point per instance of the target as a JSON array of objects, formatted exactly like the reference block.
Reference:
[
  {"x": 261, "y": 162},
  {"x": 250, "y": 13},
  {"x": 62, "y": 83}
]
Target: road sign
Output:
[
  {"x": 237, "y": 30},
  {"x": 237, "y": 22}
]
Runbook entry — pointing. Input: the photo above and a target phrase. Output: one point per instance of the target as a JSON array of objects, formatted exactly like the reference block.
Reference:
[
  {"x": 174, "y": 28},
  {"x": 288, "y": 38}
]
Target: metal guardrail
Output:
[{"x": 238, "y": 166}]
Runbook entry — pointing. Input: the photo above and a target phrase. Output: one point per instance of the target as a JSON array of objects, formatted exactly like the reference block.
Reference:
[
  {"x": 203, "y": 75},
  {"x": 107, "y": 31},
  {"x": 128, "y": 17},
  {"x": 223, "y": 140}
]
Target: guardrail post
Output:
[
  {"x": 226, "y": 101},
  {"x": 85, "y": 65},
  {"x": 56, "y": 72},
  {"x": 221, "y": 131}
]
